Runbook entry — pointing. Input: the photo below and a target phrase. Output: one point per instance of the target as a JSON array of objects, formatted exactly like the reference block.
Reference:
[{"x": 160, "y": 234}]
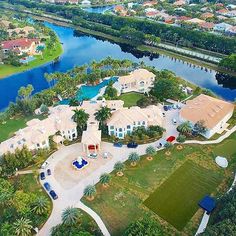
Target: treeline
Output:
[
  {"x": 203, "y": 40},
  {"x": 229, "y": 62}
]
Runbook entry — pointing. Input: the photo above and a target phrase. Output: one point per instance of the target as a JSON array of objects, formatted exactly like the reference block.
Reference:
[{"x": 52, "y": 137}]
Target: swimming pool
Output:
[{"x": 87, "y": 92}]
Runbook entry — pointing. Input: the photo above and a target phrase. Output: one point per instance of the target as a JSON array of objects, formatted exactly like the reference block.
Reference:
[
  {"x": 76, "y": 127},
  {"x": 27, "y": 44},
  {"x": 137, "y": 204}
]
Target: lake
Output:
[{"x": 82, "y": 49}]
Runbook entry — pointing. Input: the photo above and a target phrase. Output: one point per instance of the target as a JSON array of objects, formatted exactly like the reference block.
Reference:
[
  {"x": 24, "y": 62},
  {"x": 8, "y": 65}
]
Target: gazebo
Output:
[
  {"x": 91, "y": 139},
  {"x": 208, "y": 204}
]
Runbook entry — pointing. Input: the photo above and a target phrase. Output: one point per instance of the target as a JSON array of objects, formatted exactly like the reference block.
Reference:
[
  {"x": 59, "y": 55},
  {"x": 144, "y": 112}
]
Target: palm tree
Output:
[
  {"x": 150, "y": 150},
  {"x": 70, "y": 215},
  {"x": 89, "y": 192},
  {"x": 23, "y": 227},
  {"x": 81, "y": 118},
  {"x": 40, "y": 205},
  {"x": 185, "y": 128},
  {"x": 119, "y": 167},
  {"x": 103, "y": 115},
  {"x": 105, "y": 179},
  {"x": 133, "y": 158}
]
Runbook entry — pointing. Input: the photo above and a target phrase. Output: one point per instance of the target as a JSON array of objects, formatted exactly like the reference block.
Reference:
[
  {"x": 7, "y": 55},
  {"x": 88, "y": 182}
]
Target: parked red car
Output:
[{"x": 170, "y": 139}]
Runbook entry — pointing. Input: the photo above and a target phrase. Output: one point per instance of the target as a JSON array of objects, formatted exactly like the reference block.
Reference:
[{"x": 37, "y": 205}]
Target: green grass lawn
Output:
[
  {"x": 177, "y": 198},
  {"x": 193, "y": 169},
  {"x": 130, "y": 99},
  {"x": 12, "y": 125},
  {"x": 48, "y": 55}
]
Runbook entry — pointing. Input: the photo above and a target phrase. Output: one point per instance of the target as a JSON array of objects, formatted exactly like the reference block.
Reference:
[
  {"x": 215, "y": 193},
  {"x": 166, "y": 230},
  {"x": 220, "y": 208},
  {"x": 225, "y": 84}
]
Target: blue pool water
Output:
[{"x": 87, "y": 91}]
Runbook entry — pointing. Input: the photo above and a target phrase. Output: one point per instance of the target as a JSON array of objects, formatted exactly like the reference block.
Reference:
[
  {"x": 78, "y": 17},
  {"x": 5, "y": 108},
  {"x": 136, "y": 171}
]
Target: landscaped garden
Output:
[
  {"x": 130, "y": 99},
  {"x": 180, "y": 181}
]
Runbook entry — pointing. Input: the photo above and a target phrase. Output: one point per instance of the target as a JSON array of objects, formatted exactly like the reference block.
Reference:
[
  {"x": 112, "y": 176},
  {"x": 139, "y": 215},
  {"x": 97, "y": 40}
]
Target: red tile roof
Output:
[{"x": 16, "y": 43}]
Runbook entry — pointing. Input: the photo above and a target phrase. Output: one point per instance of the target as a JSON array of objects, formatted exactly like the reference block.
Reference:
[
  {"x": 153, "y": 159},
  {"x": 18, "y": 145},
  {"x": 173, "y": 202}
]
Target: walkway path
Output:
[
  {"x": 220, "y": 139},
  {"x": 72, "y": 196},
  {"x": 24, "y": 172}
]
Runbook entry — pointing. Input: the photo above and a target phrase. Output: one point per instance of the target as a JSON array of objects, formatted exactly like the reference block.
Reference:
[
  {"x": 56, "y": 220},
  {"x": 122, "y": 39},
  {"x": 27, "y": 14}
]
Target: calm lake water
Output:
[{"x": 83, "y": 49}]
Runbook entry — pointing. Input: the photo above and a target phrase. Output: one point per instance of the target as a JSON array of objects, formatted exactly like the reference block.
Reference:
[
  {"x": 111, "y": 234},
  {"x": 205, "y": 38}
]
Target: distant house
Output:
[
  {"x": 222, "y": 27},
  {"x": 214, "y": 112},
  {"x": 207, "y": 15},
  {"x": 231, "y": 31},
  {"x": 86, "y": 2},
  {"x": 124, "y": 121},
  {"x": 207, "y": 26},
  {"x": 180, "y": 3},
  {"x": 149, "y": 3},
  {"x": 140, "y": 80},
  {"x": 119, "y": 8},
  {"x": 20, "y": 46},
  {"x": 222, "y": 11},
  {"x": 195, "y": 21}
]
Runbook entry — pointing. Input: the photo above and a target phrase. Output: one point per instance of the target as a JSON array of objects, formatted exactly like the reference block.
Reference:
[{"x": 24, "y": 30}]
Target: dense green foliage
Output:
[
  {"x": 222, "y": 221},
  {"x": 21, "y": 209},
  {"x": 229, "y": 62},
  {"x": 165, "y": 32},
  {"x": 166, "y": 86},
  {"x": 147, "y": 226}
]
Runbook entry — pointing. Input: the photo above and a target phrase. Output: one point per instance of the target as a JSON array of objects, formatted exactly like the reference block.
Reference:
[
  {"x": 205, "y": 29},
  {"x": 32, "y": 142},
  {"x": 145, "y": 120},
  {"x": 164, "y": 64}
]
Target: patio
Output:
[{"x": 68, "y": 177}]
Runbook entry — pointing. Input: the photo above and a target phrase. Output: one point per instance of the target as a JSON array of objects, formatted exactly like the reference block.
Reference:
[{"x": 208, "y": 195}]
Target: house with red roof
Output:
[
  {"x": 149, "y": 3},
  {"x": 20, "y": 46}
]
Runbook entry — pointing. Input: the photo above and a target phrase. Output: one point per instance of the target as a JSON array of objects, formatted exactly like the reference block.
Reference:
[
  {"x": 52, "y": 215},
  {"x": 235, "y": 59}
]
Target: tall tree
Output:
[
  {"x": 70, "y": 216},
  {"x": 81, "y": 118},
  {"x": 23, "y": 227}
]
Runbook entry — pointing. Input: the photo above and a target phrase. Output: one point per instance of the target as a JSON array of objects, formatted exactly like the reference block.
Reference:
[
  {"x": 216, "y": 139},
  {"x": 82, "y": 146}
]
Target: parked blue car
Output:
[
  {"x": 49, "y": 172},
  {"x": 53, "y": 195},
  {"x": 118, "y": 144},
  {"x": 132, "y": 145},
  {"x": 42, "y": 176},
  {"x": 47, "y": 186},
  {"x": 166, "y": 108}
]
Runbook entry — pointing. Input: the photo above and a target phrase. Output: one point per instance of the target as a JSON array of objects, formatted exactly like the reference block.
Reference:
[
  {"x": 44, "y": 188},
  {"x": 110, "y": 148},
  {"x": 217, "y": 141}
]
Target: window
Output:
[
  {"x": 128, "y": 132},
  {"x": 38, "y": 145},
  {"x": 143, "y": 123},
  {"x": 128, "y": 127},
  {"x": 112, "y": 133},
  {"x": 139, "y": 123},
  {"x": 112, "y": 127},
  {"x": 120, "y": 129},
  {"x": 120, "y": 135}
]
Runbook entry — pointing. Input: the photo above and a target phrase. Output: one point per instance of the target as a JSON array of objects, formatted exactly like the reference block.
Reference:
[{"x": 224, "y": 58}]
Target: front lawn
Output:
[
  {"x": 12, "y": 125},
  {"x": 48, "y": 55},
  {"x": 130, "y": 99},
  {"x": 122, "y": 202},
  {"x": 176, "y": 200}
]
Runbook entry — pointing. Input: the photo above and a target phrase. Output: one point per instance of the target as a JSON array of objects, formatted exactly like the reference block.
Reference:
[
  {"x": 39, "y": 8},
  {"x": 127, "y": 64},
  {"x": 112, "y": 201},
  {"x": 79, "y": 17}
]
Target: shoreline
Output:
[
  {"x": 21, "y": 68},
  {"x": 141, "y": 48}
]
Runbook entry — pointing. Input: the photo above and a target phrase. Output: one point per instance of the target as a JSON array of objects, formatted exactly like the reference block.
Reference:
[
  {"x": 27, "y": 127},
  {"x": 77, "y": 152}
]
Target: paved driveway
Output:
[{"x": 70, "y": 185}]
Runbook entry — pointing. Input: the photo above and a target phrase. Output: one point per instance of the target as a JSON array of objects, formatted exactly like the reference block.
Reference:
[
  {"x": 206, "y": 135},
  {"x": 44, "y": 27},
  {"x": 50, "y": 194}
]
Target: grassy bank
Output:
[{"x": 48, "y": 55}]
